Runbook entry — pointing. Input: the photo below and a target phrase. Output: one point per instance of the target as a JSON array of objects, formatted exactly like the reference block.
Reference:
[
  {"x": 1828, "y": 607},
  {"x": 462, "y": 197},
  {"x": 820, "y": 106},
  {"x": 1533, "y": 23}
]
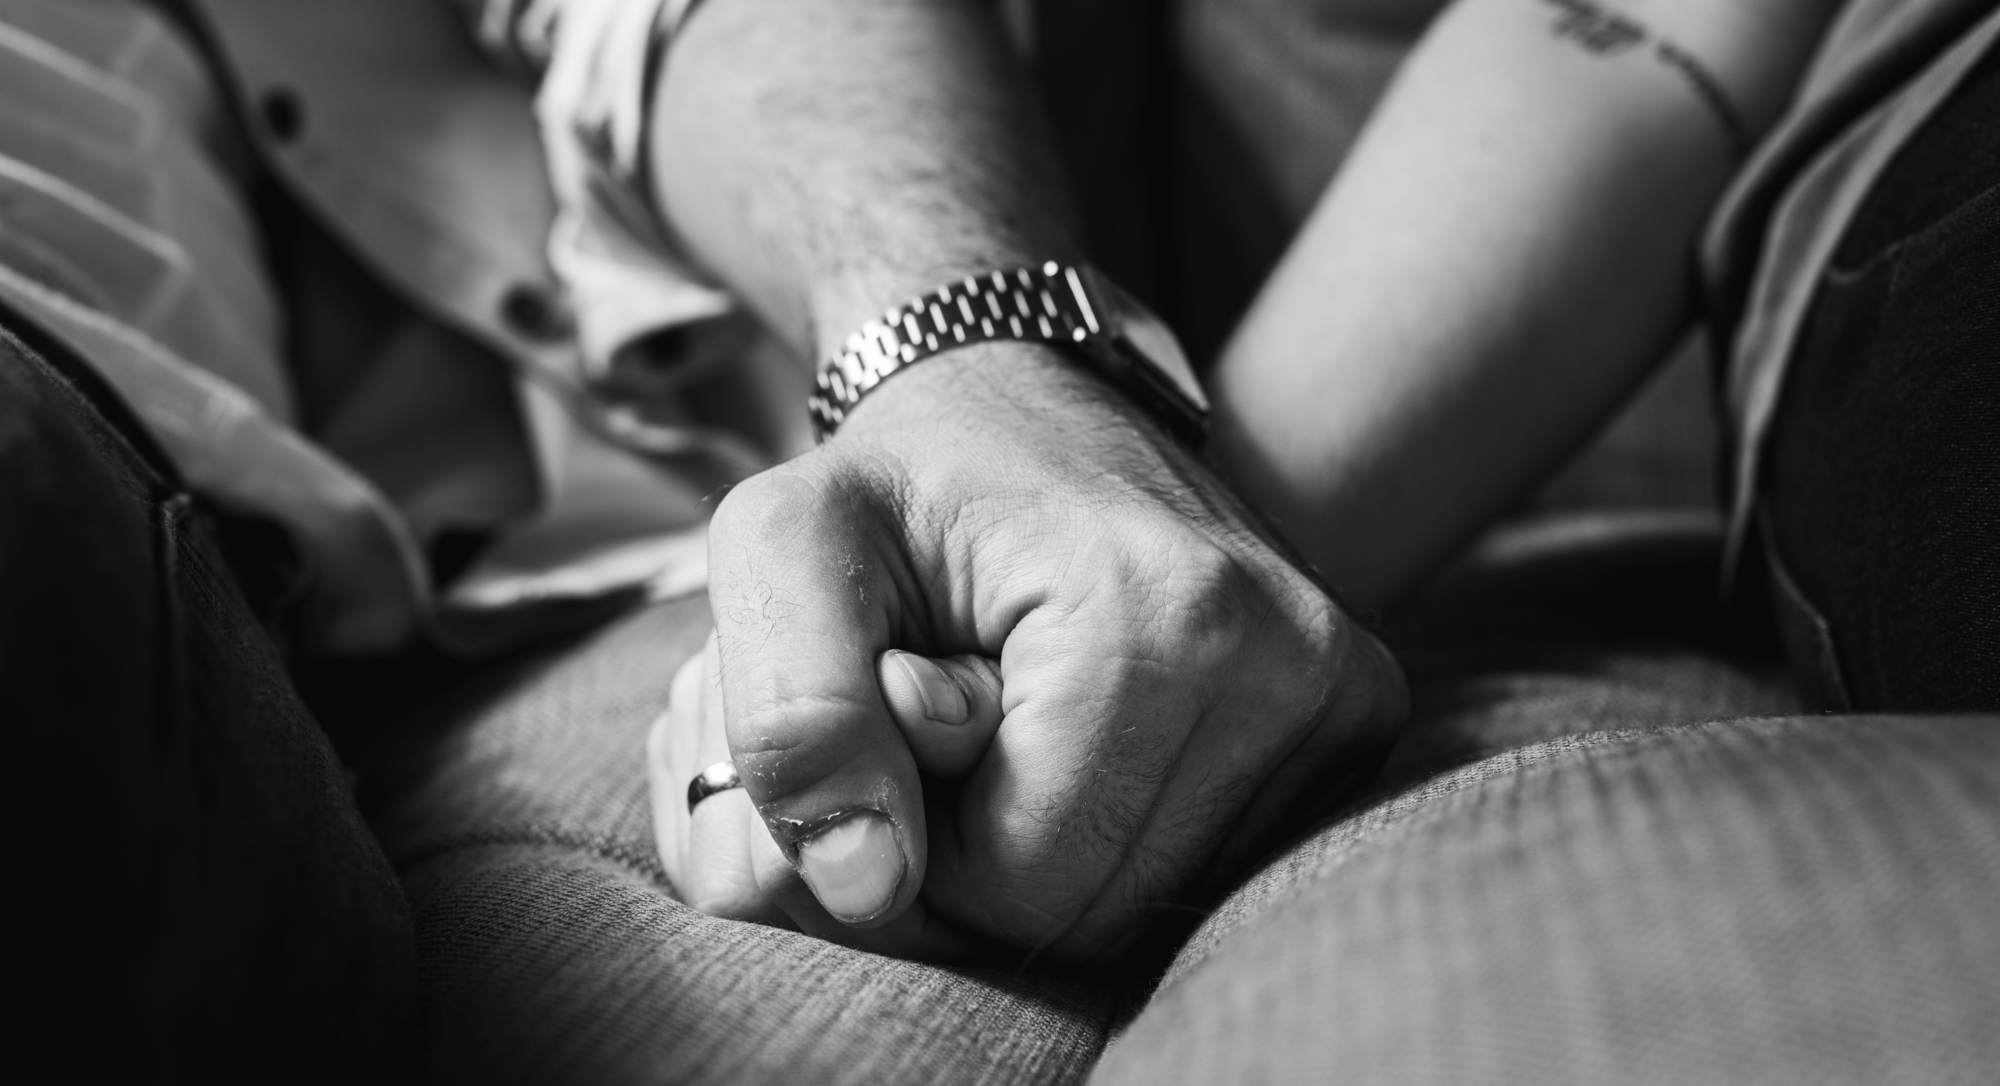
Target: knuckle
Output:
[
  {"x": 774, "y": 503},
  {"x": 787, "y": 743},
  {"x": 1323, "y": 633},
  {"x": 1344, "y": 673},
  {"x": 1212, "y": 616},
  {"x": 1276, "y": 645}
]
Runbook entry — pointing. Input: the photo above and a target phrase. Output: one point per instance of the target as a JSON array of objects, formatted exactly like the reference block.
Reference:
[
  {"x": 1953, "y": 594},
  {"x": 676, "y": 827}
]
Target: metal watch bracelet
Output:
[{"x": 1047, "y": 304}]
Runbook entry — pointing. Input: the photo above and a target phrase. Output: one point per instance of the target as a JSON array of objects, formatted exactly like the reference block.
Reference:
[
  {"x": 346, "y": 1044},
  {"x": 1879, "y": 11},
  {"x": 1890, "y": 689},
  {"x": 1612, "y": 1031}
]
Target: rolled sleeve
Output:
[{"x": 627, "y": 277}]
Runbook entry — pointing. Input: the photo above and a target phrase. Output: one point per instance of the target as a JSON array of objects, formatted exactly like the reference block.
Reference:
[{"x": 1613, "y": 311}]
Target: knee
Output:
[{"x": 1802, "y": 900}]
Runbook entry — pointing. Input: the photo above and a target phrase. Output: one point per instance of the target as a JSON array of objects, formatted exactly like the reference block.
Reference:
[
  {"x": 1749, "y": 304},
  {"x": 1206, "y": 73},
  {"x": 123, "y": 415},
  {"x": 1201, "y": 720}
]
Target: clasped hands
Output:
[{"x": 1000, "y": 666}]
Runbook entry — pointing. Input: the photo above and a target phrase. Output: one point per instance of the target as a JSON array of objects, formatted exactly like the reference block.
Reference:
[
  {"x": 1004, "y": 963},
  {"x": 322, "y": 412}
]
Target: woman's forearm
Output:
[{"x": 1503, "y": 257}]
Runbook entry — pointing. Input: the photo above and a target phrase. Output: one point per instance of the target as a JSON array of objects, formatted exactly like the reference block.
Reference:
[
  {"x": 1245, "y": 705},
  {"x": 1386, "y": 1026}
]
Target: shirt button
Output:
[
  {"x": 533, "y": 312},
  {"x": 284, "y": 114}
]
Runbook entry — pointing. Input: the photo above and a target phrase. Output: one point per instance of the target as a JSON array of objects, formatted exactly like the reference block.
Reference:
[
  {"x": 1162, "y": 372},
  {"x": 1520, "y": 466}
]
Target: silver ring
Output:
[{"x": 720, "y": 777}]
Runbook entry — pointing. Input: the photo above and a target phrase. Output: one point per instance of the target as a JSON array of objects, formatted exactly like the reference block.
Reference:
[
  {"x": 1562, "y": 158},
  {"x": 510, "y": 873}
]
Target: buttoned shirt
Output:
[{"x": 506, "y": 210}]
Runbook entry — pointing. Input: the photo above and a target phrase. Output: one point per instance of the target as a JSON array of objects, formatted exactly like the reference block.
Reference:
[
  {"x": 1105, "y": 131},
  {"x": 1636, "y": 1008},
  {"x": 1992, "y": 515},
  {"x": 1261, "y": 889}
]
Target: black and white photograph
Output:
[{"x": 1002, "y": 542}]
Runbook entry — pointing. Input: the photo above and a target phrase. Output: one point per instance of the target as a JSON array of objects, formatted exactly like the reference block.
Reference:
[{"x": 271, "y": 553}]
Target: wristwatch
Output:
[{"x": 1072, "y": 306}]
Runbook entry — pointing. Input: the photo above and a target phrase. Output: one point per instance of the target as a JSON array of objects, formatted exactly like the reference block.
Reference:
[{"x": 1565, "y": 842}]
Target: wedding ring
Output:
[{"x": 720, "y": 777}]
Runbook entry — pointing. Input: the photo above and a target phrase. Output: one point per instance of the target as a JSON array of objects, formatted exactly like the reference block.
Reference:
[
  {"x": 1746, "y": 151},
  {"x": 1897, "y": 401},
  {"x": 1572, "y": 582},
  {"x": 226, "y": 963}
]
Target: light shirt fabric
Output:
[{"x": 125, "y": 232}]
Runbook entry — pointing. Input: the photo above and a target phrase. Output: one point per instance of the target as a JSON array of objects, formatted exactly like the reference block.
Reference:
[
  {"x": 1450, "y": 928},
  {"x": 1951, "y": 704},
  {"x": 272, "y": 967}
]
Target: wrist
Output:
[
  {"x": 1000, "y": 382},
  {"x": 842, "y": 304},
  {"x": 1071, "y": 308}
]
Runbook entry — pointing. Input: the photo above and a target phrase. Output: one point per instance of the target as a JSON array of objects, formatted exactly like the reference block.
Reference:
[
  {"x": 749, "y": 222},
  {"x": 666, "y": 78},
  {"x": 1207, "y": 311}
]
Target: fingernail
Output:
[
  {"x": 943, "y": 701},
  {"x": 854, "y": 867}
]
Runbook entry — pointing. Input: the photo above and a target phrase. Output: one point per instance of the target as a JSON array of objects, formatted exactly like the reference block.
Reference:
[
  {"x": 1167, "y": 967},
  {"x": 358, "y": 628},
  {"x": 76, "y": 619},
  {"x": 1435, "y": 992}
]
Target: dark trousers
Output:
[
  {"x": 195, "y": 896},
  {"x": 1883, "y": 488}
]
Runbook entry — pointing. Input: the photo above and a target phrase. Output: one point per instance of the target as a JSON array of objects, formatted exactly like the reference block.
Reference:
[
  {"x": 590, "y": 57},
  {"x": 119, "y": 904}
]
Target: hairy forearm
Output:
[
  {"x": 829, "y": 158},
  {"x": 1505, "y": 254}
]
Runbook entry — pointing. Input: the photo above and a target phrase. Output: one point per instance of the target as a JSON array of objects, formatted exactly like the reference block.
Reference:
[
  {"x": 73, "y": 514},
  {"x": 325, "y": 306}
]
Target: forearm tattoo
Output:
[{"x": 1606, "y": 33}]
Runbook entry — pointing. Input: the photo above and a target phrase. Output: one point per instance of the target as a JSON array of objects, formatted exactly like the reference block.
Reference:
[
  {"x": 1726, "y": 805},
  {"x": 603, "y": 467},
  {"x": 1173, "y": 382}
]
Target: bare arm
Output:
[
  {"x": 1504, "y": 256},
  {"x": 829, "y": 159}
]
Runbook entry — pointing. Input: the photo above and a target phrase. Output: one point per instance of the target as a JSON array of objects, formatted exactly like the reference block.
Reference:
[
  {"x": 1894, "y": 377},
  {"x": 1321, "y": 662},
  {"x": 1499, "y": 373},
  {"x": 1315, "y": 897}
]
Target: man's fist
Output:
[{"x": 1107, "y": 676}]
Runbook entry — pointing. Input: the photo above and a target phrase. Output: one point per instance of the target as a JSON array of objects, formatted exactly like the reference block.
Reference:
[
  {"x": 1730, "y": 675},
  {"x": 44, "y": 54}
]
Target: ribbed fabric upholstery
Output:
[
  {"x": 513, "y": 802},
  {"x": 550, "y": 964},
  {"x": 1808, "y": 900}
]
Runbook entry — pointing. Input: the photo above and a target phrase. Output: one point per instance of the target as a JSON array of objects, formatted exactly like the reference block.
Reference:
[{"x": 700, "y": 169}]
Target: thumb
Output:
[
  {"x": 802, "y": 578},
  {"x": 947, "y": 709}
]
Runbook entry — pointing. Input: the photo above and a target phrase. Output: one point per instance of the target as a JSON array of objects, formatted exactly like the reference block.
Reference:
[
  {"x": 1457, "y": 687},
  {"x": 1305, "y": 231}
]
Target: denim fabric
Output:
[
  {"x": 1884, "y": 466},
  {"x": 196, "y": 898},
  {"x": 1882, "y": 71},
  {"x": 1793, "y": 901}
]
